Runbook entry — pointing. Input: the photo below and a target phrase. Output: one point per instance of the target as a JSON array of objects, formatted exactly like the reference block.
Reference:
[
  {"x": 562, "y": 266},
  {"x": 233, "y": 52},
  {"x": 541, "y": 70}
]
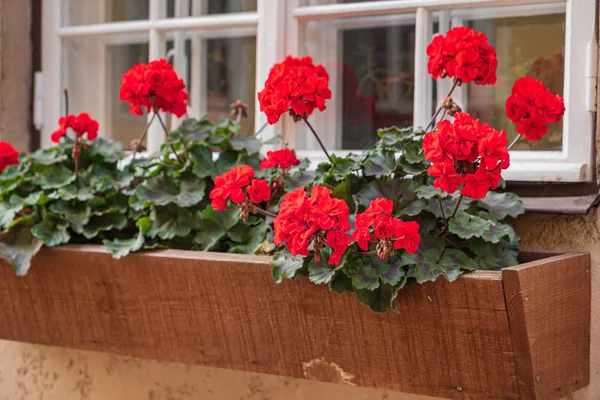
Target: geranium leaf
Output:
[
  {"x": 285, "y": 266},
  {"x": 170, "y": 221},
  {"x": 52, "y": 231},
  {"x": 492, "y": 256},
  {"x": 380, "y": 299},
  {"x": 415, "y": 208},
  {"x": 195, "y": 131},
  {"x": 299, "y": 179},
  {"x": 104, "y": 222},
  {"x": 121, "y": 247},
  {"x": 160, "y": 191},
  {"x": 380, "y": 162},
  {"x": 226, "y": 160},
  {"x": 248, "y": 237},
  {"x": 342, "y": 166},
  {"x": 109, "y": 150},
  {"x": 412, "y": 152},
  {"x": 498, "y": 232},
  {"x": 191, "y": 192},
  {"x": 390, "y": 271},
  {"x": 18, "y": 245},
  {"x": 321, "y": 271},
  {"x": 72, "y": 192},
  {"x": 56, "y": 176},
  {"x": 47, "y": 156},
  {"x": 401, "y": 192},
  {"x": 245, "y": 142},
  {"x": 430, "y": 261},
  {"x": 77, "y": 214},
  {"x": 201, "y": 157},
  {"x": 501, "y": 205},
  {"x": 366, "y": 277},
  {"x": 341, "y": 283},
  {"x": 467, "y": 226},
  {"x": 428, "y": 192}
]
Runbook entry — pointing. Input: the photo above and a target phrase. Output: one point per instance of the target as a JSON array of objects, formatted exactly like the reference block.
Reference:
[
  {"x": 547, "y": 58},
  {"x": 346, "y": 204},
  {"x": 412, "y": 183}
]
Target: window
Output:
[{"x": 374, "y": 51}]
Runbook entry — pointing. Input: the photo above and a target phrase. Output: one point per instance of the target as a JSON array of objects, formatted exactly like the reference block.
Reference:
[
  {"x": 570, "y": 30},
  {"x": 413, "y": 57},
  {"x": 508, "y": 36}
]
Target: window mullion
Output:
[
  {"x": 423, "y": 84},
  {"x": 157, "y": 51},
  {"x": 52, "y": 56},
  {"x": 180, "y": 61}
]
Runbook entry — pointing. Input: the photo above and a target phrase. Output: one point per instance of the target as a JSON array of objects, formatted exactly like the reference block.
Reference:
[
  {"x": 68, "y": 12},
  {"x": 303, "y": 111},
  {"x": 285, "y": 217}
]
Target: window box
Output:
[{"x": 520, "y": 333}]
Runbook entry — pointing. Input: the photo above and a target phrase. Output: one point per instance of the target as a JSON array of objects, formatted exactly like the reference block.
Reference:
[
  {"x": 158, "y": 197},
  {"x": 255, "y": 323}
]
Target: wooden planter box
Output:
[{"x": 520, "y": 333}]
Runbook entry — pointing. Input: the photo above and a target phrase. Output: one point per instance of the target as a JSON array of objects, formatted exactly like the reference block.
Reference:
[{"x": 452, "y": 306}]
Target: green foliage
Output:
[{"x": 158, "y": 202}]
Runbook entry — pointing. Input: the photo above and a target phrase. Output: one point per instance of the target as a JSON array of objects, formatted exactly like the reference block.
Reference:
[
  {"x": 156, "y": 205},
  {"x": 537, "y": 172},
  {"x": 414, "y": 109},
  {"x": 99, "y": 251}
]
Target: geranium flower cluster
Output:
[
  {"x": 239, "y": 186},
  {"x": 466, "y": 152},
  {"x": 316, "y": 220},
  {"x": 465, "y": 54},
  {"x": 376, "y": 223},
  {"x": 284, "y": 158},
  {"x": 81, "y": 124},
  {"x": 296, "y": 86},
  {"x": 531, "y": 106},
  {"x": 8, "y": 155},
  {"x": 154, "y": 86}
]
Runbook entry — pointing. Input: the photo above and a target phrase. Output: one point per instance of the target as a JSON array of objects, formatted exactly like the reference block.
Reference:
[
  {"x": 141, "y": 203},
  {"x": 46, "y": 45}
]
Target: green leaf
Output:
[
  {"x": 56, "y": 176},
  {"x": 321, "y": 271},
  {"x": 285, "y": 266},
  {"x": 191, "y": 192},
  {"x": 467, "y": 226},
  {"x": 160, "y": 191},
  {"x": 433, "y": 260},
  {"x": 121, "y": 247},
  {"x": 102, "y": 223},
  {"x": 13, "y": 172},
  {"x": 109, "y": 150},
  {"x": 8, "y": 212},
  {"x": 341, "y": 283},
  {"x": 415, "y": 207},
  {"x": 381, "y": 299},
  {"x": 226, "y": 160},
  {"x": 18, "y": 245},
  {"x": 212, "y": 226},
  {"x": 245, "y": 142},
  {"x": 501, "y": 205},
  {"x": 343, "y": 166},
  {"x": 299, "y": 179},
  {"x": 492, "y": 256},
  {"x": 428, "y": 192},
  {"x": 412, "y": 152},
  {"x": 99, "y": 177},
  {"x": 249, "y": 237},
  {"x": 170, "y": 221},
  {"x": 498, "y": 232},
  {"x": 402, "y": 192},
  {"x": 53, "y": 231},
  {"x": 77, "y": 214},
  {"x": 72, "y": 192},
  {"x": 194, "y": 131},
  {"x": 47, "y": 156},
  {"x": 201, "y": 157},
  {"x": 366, "y": 278},
  {"x": 381, "y": 162}
]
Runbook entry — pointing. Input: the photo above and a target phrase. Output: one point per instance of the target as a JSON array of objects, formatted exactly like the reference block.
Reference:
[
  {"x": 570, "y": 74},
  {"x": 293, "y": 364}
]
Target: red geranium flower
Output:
[
  {"x": 284, "y": 158},
  {"x": 318, "y": 220},
  {"x": 81, "y": 124},
  {"x": 154, "y": 86},
  {"x": 377, "y": 224},
  {"x": 230, "y": 185},
  {"x": 294, "y": 85},
  {"x": 259, "y": 191},
  {"x": 531, "y": 106},
  {"x": 466, "y": 152},
  {"x": 8, "y": 155},
  {"x": 465, "y": 54}
]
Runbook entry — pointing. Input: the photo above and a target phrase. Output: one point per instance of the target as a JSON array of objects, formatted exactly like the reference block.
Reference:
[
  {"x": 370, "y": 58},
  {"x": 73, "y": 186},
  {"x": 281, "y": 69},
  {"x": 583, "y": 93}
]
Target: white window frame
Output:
[
  {"x": 574, "y": 163},
  {"x": 278, "y": 27},
  {"x": 156, "y": 31}
]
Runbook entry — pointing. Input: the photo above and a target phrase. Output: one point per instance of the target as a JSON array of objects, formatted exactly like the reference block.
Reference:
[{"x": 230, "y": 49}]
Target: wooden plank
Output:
[
  {"x": 449, "y": 340},
  {"x": 549, "y": 306}
]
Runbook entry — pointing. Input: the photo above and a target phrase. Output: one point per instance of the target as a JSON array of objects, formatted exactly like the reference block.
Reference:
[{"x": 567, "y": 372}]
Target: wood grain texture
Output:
[
  {"x": 549, "y": 306},
  {"x": 449, "y": 340}
]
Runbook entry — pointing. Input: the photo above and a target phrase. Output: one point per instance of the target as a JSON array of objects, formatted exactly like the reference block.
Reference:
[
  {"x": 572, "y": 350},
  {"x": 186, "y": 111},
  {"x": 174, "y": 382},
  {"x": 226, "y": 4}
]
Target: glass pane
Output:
[
  {"x": 525, "y": 46},
  {"x": 204, "y": 7},
  {"x": 371, "y": 76},
  {"x": 81, "y": 12},
  {"x": 230, "y": 66}
]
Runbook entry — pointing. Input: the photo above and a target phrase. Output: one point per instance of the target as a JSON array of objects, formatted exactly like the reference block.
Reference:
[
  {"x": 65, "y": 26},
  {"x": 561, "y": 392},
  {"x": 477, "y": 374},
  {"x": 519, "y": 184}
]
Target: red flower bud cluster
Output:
[
  {"x": 466, "y": 152},
  {"x": 284, "y": 158},
  {"x": 377, "y": 224},
  {"x": 154, "y": 86},
  {"x": 465, "y": 54},
  {"x": 230, "y": 186},
  {"x": 318, "y": 220},
  {"x": 81, "y": 124},
  {"x": 531, "y": 106},
  {"x": 295, "y": 85},
  {"x": 8, "y": 155}
]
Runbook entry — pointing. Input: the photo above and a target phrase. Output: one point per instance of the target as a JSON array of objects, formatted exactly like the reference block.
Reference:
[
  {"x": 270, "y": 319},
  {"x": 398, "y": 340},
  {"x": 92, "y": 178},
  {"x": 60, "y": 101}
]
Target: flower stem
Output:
[
  {"x": 318, "y": 139},
  {"x": 265, "y": 212},
  {"x": 162, "y": 123},
  {"x": 258, "y": 132},
  {"x": 366, "y": 253},
  {"x": 457, "y": 206},
  {"x": 447, "y": 221},
  {"x": 142, "y": 138},
  {"x": 514, "y": 142},
  {"x": 432, "y": 122}
]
